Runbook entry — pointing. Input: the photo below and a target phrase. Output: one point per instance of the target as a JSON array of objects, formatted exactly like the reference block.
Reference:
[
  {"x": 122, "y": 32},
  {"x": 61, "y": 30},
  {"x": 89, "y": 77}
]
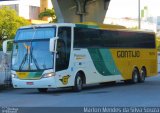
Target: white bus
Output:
[{"x": 71, "y": 55}]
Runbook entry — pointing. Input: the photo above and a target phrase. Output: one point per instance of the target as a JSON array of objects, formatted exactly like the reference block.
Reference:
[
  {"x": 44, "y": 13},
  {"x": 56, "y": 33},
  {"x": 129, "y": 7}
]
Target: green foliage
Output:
[
  {"x": 135, "y": 27},
  {"x": 49, "y": 13},
  {"x": 158, "y": 43},
  {"x": 9, "y": 23}
]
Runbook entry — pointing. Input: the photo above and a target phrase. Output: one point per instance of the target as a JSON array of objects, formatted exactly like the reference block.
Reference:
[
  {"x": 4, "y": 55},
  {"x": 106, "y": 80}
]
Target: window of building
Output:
[{"x": 34, "y": 12}]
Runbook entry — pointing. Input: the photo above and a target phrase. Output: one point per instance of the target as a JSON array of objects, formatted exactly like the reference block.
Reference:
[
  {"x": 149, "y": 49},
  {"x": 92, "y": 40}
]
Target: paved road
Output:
[{"x": 142, "y": 94}]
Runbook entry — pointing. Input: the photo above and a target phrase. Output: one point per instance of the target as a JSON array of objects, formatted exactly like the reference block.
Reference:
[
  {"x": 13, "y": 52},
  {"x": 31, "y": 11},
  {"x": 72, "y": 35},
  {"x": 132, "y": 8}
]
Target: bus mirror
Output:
[
  {"x": 52, "y": 44},
  {"x": 5, "y": 43}
]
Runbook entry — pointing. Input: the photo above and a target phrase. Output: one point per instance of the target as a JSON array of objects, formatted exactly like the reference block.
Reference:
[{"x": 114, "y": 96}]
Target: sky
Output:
[{"x": 129, "y": 8}]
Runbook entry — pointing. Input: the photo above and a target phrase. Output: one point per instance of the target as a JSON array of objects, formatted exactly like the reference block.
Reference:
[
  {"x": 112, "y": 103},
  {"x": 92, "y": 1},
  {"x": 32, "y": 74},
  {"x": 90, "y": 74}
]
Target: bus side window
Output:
[
  {"x": 63, "y": 48},
  {"x": 61, "y": 52}
]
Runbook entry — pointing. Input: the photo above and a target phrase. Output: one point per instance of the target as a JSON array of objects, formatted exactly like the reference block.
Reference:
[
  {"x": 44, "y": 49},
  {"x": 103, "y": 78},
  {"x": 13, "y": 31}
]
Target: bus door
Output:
[{"x": 63, "y": 52}]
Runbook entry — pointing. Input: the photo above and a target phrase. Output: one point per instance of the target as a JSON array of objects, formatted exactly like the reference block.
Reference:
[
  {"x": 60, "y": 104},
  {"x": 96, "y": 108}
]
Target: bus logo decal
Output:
[
  {"x": 64, "y": 79},
  {"x": 79, "y": 57}
]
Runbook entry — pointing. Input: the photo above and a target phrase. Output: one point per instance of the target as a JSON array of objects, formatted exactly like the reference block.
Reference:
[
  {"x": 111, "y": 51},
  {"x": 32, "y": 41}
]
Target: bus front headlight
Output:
[
  {"x": 14, "y": 75},
  {"x": 47, "y": 75}
]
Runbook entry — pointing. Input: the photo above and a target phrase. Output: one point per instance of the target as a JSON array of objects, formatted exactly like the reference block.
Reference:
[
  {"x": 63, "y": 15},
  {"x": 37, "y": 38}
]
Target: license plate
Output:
[{"x": 29, "y": 83}]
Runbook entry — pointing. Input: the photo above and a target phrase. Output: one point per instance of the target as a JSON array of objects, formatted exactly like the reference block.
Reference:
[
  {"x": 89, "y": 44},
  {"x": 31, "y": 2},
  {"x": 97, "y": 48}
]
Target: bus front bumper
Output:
[{"x": 40, "y": 83}]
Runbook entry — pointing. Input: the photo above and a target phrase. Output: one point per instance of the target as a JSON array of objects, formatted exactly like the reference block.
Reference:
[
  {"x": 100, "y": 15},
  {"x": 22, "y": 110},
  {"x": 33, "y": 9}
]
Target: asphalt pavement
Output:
[{"x": 120, "y": 95}]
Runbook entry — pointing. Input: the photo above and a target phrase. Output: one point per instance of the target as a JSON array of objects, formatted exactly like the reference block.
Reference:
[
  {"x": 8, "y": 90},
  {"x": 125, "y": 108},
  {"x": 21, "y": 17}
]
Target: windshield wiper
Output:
[
  {"x": 34, "y": 60},
  {"x": 31, "y": 57},
  {"x": 23, "y": 61}
]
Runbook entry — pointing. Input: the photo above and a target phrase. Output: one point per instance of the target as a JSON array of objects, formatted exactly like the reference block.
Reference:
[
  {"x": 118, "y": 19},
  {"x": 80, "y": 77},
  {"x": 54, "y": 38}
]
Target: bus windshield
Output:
[{"x": 32, "y": 54}]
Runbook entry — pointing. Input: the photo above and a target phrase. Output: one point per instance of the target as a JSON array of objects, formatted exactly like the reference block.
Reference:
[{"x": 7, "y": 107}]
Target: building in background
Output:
[
  {"x": 131, "y": 23},
  {"x": 29, "y": 9},
  {"x": 147, "y": 22},
  {"x": 155, "y": 20}
]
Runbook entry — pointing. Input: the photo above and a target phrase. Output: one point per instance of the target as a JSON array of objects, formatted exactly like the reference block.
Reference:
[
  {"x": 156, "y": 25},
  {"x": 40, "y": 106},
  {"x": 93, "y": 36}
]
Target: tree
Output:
[
  {"x": 49, "y": 13},
  {"x": 9, "y": 23}
]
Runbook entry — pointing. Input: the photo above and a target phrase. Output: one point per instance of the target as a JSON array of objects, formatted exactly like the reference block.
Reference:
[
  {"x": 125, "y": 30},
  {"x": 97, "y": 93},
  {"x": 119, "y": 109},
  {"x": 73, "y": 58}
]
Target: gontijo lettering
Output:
[{"x": 128, "y": 54}]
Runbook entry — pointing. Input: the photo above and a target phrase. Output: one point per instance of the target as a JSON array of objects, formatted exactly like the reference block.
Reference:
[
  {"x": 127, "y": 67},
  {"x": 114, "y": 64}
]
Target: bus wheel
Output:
[
  {"x": 78, "y": 83},
  {"x": 42, "y": 90},
  {"x": 135, "y": 76},
  {"x": 142, "y": 75}
]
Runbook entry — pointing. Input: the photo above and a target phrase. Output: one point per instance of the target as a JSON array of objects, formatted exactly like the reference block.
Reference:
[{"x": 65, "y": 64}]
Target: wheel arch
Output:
[{"x": 81, "y": 74}]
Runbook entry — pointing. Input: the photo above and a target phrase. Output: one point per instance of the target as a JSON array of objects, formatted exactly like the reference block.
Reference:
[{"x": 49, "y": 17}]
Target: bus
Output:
[{"x": 72, "y": 55}]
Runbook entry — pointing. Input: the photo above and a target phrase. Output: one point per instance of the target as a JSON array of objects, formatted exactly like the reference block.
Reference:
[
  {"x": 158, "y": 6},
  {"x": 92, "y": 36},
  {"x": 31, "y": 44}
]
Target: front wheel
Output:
[
  {"x": 78, "y": 83},
  {"x": 42, "y": 90}
]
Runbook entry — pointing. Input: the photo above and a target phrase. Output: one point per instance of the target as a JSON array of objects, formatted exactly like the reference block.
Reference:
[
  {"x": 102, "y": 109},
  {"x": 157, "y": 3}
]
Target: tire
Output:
[
  {"x": 142, "y": 75},
  {"x": 78, "y": 85},
  {"x": 42, "y": 90},
  {"x": 135, "y": 76}
]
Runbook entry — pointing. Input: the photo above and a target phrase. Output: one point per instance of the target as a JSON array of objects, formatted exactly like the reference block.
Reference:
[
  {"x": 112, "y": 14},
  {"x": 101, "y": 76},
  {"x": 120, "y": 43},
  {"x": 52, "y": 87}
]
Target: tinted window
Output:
[
  {"x": 135, "y": 40},
  {"x": 86, "y": 38},
  {"x": 63, "y": 48}
]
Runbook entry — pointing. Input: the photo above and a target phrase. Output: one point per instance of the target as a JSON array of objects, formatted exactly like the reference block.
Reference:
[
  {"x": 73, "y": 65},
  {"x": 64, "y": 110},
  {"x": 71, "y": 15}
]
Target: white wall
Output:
[
  {"x": 8, "y": 2},
  {"x": 24, "y": 11},
  {"x": 50, "y": 6},
  {"x": 30, "y": 2},
  {"x": 24, "y": 7}
]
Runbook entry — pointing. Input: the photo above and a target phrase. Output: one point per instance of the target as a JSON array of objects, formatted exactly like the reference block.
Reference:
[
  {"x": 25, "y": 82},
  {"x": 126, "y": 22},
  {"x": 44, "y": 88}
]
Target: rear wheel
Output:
[
  {"x": 42, "y": 90},
  {"x": 135, "y": 76},
  {"x": 142, "y": 75},
  {"x": 78, "y": 83}
]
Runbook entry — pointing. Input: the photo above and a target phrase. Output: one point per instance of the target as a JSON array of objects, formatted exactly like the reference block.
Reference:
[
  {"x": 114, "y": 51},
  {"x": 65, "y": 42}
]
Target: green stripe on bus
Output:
[
  {"x": 103, "y": 61},
  {"x": 86, "y": 26},
  {"x": 34, "y": 75}
]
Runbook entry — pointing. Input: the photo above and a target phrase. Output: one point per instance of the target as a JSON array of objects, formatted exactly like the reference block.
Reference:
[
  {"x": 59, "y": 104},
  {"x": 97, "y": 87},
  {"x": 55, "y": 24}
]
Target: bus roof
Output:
[
  {"x": 47, "y": 25},
  {"x": 109, "y": 27}
]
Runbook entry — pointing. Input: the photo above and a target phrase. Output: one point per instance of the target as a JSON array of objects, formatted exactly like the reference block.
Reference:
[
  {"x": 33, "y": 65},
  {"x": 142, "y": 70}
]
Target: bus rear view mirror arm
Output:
[
  {"x": 5, "y": 45},
  {"x": 53, "y": 44}
]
